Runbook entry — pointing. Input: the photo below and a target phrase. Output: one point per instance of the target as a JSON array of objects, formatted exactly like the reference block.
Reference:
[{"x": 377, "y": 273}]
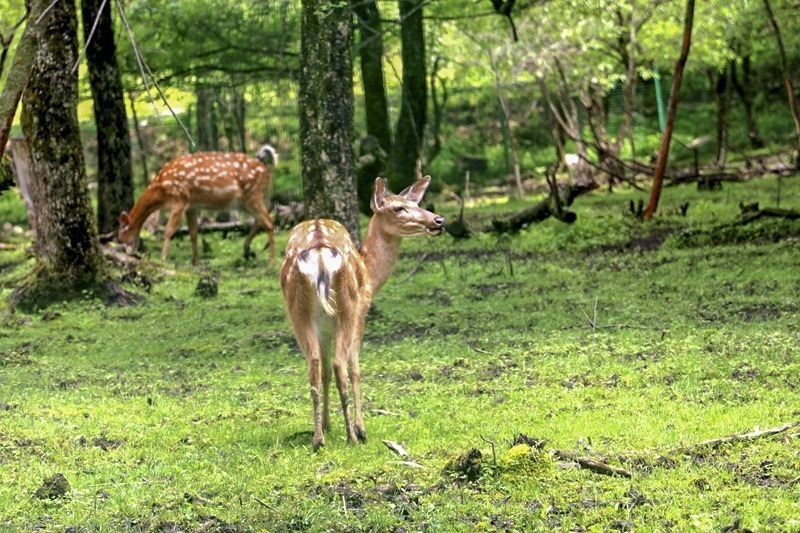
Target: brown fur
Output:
[
  {"x": 205, "y": 180},
  {"x": 331, "y": 343}
]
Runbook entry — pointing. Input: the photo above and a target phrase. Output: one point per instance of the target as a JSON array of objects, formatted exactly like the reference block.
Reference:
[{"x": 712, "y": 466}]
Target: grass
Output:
[{"x": 614, "y": 339}]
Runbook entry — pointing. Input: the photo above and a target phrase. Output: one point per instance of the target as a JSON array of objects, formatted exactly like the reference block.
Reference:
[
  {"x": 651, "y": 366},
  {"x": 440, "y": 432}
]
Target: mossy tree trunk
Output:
[
  {"x": 326, "y": 113},
  {"x": 69, "y": 261},
  {"x": 114, "y": 172}
]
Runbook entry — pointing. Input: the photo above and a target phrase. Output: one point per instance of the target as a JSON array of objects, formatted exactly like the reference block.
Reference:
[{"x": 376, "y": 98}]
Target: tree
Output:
[
  {"x": 326, "y": 113},
  {"x": 403, "y": 167},
  {"x": 18, "y": 72},
  {"x": 787, "y": 78},
  {"x": 68, "y": 255},
  {"x": 114, "y": 172},
  {"x": 666, "y": 136},
  {"x": 370, "y": 51}
]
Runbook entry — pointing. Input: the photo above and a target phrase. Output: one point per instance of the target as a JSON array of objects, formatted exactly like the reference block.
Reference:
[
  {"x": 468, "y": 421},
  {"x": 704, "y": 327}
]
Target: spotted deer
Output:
[
  {"x": 206, "y": 180},
  {"x": 328, "y": 286}
]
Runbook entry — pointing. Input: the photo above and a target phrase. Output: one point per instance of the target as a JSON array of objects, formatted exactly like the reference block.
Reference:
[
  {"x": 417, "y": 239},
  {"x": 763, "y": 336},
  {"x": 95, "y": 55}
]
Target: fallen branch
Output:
[
  {"x": 554, "y": 205},
  {"x": 740, "y": 437},
  {"x": 598, "y": 467},
  {"x": 752, "y": 212},
  {"x": 397, "y": 448}
]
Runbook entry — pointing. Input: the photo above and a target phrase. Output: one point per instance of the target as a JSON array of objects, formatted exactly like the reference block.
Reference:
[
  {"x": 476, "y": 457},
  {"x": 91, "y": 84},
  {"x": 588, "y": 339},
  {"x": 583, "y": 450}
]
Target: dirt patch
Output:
[
  {"x": 650, "y": 242},
  {"x": 102, "y": 442},
  {"x": 749, "y": 312},
  {"x": 53, "y": 487},
  {"x": 17, "y": 356},
  {"x": 272, "y": 340}
]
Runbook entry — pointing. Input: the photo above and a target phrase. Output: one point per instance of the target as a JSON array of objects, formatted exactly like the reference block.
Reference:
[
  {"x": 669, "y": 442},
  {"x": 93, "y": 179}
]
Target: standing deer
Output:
[
  {"x": 206, "y": 180},
  {"x": 328, "y": 287}
]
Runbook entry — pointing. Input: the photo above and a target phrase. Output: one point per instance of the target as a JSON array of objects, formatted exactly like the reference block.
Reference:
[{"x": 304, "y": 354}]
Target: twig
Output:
[
  {"x": 384, "y": 412},
  {"x": 265, "y": 504},
  {"x": 494, "y": 455},
  {"x": 738, "y": 437},
  {"x": 414, "y": 270},
  {"x": 598, "y": 467},
  {"x": 412, "y": 464},
  {"x": 397, "y": 448},
  {"x": 592, "y": 321}
]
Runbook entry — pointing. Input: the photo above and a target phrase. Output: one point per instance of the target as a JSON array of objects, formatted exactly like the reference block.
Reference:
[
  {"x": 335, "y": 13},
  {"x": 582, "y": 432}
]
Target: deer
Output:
[
  {"x": 328, "y": 285},
  {"x": 206, "y": 180}
]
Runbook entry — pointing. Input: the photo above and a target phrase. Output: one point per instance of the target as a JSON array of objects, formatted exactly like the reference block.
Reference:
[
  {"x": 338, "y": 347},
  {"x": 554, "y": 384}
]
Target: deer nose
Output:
[{"x": 439, "y": 221}]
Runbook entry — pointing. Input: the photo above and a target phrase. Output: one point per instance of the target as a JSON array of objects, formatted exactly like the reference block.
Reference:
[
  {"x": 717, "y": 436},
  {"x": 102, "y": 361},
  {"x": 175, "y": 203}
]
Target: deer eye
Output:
[{"x": 399, "y": 209}]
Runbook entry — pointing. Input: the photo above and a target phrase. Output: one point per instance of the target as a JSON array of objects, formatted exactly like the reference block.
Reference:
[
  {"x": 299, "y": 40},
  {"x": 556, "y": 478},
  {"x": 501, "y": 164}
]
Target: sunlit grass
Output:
[{"x": 194, "y": 414}]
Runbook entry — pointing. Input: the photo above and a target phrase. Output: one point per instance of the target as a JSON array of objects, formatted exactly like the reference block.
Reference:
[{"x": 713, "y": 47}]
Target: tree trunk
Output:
[
  {"x": 144, "y": 148},
  {"x": 21, "y": 159},
  {"x": 67, "y": 250},
  {"x": 439, "y": 100},
  {"x": 19, "y": 71},
  {"x": 326, "y": 113},
  {"x": 403, "y": 167},
  {"x": 672, "y": 107},
  {"x": 511, "y": 137},
  {"x": 207, "y": 131},
  {"x": 370, "y": 50},
  {"x": 114, "y": 172},
  {"x": 370, "y": 163},
  {"x": 721, "y": 99},
  {"x": 745, "y": 91},
  {"x": 787, "y": 79}
]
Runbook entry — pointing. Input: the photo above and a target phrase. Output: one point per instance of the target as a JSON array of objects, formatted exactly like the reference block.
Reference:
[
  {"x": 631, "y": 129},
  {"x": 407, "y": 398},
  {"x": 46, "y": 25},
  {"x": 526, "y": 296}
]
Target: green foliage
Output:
[{"x": 611, "y": 338}]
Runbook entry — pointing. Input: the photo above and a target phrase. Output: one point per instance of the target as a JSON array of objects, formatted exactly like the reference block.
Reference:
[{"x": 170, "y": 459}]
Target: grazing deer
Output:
[
  {"x": 328, "y": 287},
  {"x": 205, "y": 180}
]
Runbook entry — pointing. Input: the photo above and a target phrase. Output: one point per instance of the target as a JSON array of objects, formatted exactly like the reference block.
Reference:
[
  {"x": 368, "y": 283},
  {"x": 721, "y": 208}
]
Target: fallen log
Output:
[
  {"x": 752, "y": 212},
  {"x": 551, "y": 206}
]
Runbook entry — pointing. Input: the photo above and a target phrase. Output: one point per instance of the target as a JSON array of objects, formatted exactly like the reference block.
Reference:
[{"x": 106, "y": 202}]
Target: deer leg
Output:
[
  {"x": 340, "y": 365},
  {"x": 191, "y": 221},
  {"x": 355, "y": 377},
  {"x": 263, "y": 220},
  {"x": 310, "y": 346},
  {"x": 175, "y": 215},
  {"x": 249, "y": 239},
  {"x": 327, "y": 371}
]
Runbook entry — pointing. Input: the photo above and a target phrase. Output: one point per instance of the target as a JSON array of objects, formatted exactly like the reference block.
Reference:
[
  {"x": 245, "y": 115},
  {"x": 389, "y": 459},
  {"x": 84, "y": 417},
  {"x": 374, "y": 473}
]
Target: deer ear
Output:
[
  {"x": 124, "y": 219},
  {"x": 378, "y": 196},
  {"x": 415, "y": 192}
]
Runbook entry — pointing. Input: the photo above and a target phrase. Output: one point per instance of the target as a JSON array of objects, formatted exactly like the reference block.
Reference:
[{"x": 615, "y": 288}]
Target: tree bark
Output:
[
  {"x": 207, "y": 131},
  {"x": 326, "y": 114},
  {"x": 745, "y": 91},
  {"x": 672, "y": 107},
  {"x": 68, "y": 254},
  {"x": 114, "y": 172},
  {"x": 501, "y": 98},
  {"x": 404, "y": 165},
  {"x": 721, "y": 98},
  {"x": 21, "y": 159},
  {"x": 370, "y": 51},
  {"x": 19, "y": 71},
  {"x": 787, "y": 79}
]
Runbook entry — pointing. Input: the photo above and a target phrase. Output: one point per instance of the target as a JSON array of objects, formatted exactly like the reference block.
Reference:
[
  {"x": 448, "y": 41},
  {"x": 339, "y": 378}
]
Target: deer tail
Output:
[{"x": 320, "y": 266}]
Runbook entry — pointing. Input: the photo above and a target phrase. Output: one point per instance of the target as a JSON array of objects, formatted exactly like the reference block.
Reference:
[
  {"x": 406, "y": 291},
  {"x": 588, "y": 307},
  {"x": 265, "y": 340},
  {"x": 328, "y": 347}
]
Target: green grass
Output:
[{"x": 610, "y": 338}]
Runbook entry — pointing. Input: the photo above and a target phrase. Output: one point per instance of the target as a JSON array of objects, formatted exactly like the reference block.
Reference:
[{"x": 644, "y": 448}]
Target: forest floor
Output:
[{"x": 571, "y": 377}]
